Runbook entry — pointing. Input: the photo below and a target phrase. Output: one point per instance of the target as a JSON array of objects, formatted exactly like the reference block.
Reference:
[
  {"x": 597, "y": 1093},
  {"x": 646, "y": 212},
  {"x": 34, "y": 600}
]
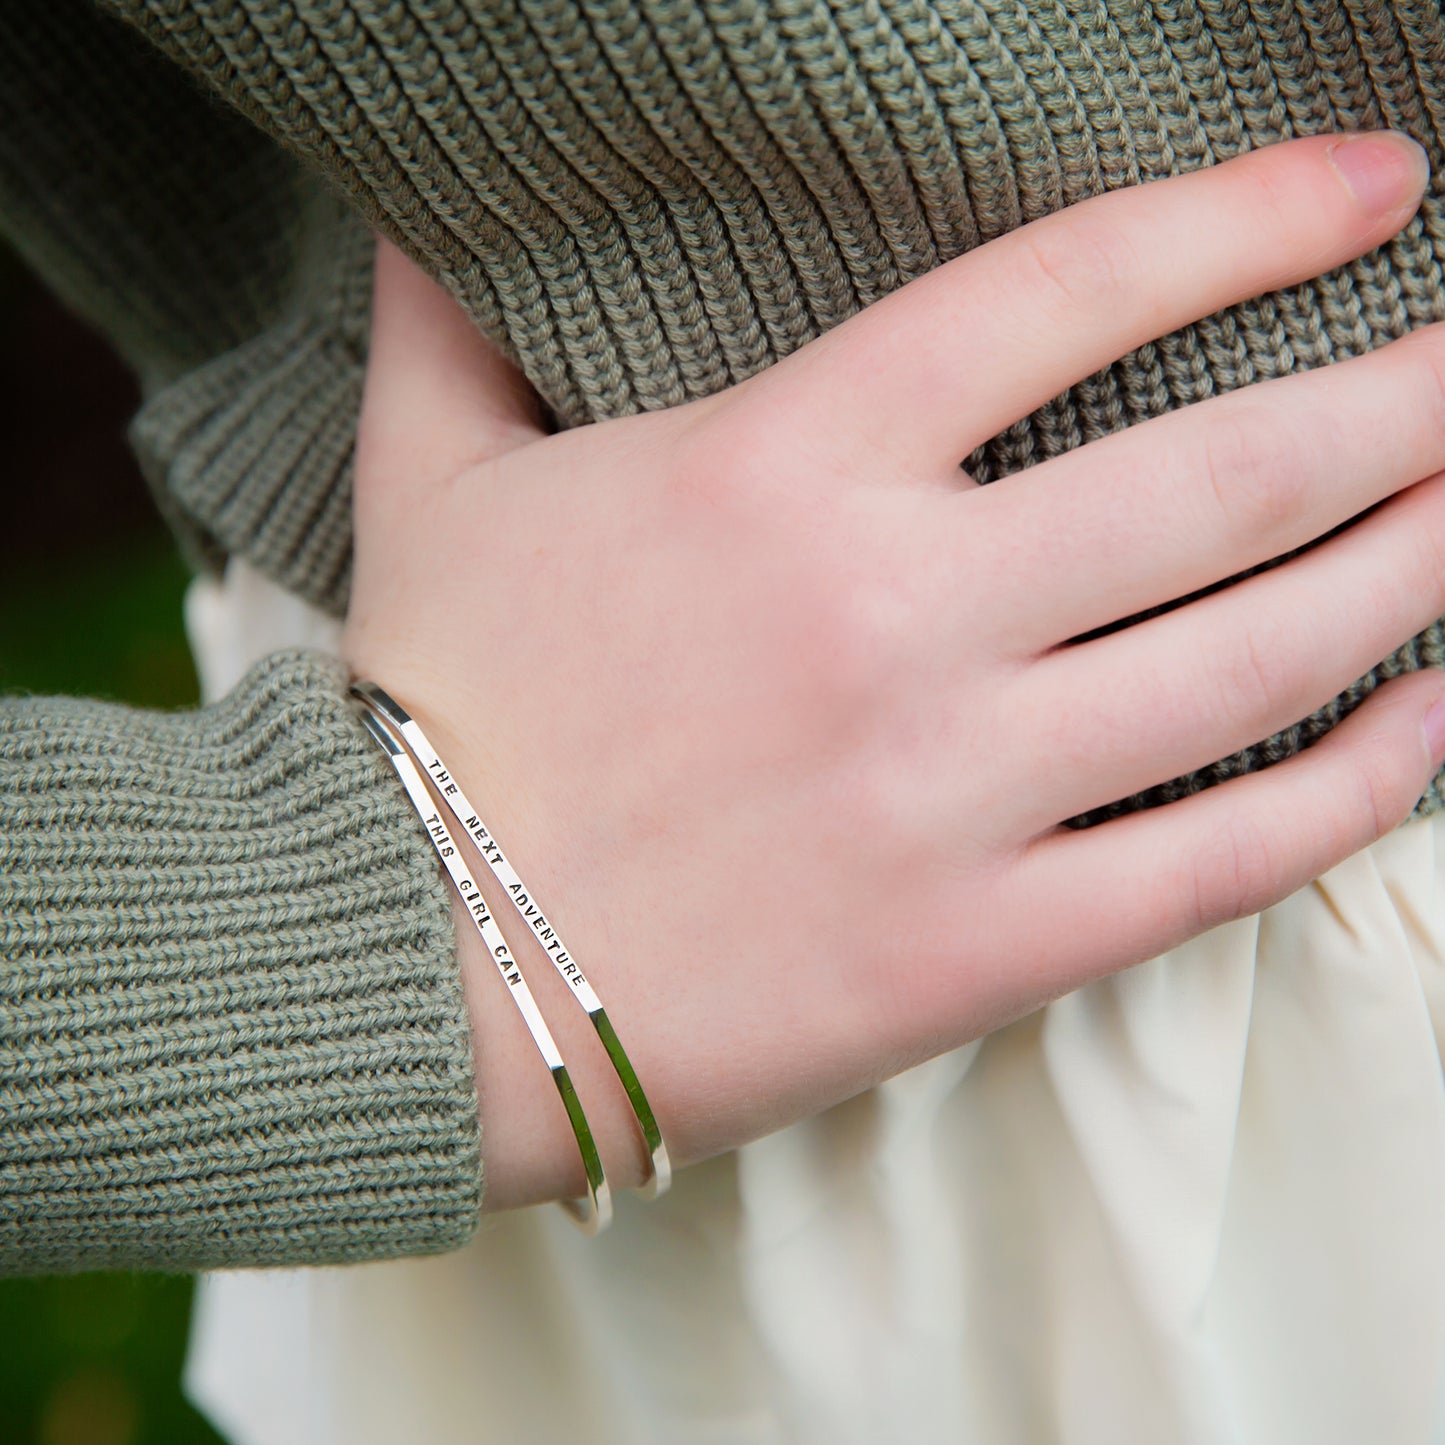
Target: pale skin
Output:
[{"x": 778, "y": 713}]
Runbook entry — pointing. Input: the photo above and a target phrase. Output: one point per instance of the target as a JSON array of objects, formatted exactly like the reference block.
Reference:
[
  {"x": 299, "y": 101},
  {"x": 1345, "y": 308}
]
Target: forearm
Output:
[{"x": 231, "y": 1026}]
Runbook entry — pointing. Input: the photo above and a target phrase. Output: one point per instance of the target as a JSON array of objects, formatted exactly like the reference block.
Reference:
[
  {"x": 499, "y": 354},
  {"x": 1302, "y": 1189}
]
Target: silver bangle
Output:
[
  {"x": 595, "y": 1214},
  {"x": 384, "y": 705}
]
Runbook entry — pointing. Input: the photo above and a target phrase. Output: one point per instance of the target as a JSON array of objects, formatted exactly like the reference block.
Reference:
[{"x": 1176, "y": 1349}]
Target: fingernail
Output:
[
  {"x": 1382, "y": 169},
  {"x": 1435, "y": 730}
]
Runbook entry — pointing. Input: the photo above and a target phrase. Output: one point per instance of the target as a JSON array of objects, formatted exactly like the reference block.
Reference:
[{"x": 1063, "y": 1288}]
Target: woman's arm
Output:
[
  {"x": 231, "y": 1029},
  {"x": 782, "y": 717}
]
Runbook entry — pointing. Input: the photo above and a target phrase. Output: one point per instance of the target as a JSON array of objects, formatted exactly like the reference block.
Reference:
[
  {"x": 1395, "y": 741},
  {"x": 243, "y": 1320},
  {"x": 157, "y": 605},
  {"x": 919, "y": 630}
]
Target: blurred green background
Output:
[{"x": 90, "y": 603}]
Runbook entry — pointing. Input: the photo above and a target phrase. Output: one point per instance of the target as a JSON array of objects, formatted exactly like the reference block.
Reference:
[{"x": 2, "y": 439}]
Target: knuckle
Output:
[
  {"x": 859, "y": 637},
  {"x": 1256, "y": 473},
  {"x": 1085, "y": 263},
  {"x": 1232, "y": 876},
  {"x": 1382, "y": 798},
  {"x": 708, "y": 455},
  {"x": 1253, "y": 679},
  {"x": 871, "y": 803}
]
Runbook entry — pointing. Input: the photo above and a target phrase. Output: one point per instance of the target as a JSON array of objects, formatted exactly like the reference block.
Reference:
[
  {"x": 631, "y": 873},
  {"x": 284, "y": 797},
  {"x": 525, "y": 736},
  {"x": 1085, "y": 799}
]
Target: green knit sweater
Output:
[{"x": 230, "y": 1029}]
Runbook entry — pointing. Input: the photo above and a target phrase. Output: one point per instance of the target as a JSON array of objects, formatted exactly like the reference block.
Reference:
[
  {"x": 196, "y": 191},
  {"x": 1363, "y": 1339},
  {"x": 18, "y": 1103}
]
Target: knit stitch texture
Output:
[
  {"x": 648, "y": 200},
  {"x": 231, "y": 1025},
  {"x": 233, "y": 1031}
]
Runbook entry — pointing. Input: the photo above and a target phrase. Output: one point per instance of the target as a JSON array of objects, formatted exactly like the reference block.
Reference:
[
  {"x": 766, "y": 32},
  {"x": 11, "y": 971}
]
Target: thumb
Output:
[{"x": 439, "y": 396}]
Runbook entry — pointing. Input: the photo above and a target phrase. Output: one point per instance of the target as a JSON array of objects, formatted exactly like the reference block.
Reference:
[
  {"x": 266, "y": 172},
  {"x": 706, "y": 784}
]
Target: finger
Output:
[
  {"x": 1149, "y": 515},
  {"x": 922, "y": 377},
  {"x": 438, "y": 395},
  {"x": 1134, "y": 887},
  {"x": 1176, "y": 693}
]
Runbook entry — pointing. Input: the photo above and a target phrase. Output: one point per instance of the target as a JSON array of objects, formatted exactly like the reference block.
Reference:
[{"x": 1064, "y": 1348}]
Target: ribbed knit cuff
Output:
[
  {"x": 252, "y": 453},
  {"x": 231, "y": 1024},
  {"x": 255, "y": 451}
]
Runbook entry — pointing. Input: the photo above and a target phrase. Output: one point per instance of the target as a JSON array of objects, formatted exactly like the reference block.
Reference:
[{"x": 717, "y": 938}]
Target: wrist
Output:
[
  {"x": 529, "y": 1151},
  {"x": 557, "y": 1090}
]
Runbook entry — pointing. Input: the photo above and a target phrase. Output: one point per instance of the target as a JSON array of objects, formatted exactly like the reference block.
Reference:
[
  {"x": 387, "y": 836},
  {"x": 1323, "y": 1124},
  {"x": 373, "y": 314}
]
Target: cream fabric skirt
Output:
[{"x": 1200, "y": 1202}]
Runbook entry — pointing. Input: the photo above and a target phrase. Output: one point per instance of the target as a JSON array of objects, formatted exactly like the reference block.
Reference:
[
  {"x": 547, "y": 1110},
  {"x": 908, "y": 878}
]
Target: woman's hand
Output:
[{"x": 778, "y": 714}]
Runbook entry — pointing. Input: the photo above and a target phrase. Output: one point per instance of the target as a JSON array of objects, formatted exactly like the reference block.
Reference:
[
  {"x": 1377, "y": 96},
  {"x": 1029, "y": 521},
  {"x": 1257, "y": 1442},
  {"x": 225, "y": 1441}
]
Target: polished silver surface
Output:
[
  {"x": 381, "y": 702},
  {"x": 595, "y": 1213}
]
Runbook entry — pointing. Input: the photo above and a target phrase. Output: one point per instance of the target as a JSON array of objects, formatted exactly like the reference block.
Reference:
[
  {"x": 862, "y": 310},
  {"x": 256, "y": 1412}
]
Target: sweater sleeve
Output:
[
  {"x": 221, "y": 268},
  {"x": 232, "y": 1030}
]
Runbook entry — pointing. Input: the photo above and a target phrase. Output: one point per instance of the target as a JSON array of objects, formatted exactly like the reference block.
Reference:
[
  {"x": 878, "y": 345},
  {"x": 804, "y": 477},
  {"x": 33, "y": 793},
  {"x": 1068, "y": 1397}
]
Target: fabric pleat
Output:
[{"x": 1198, "y": 1202}]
